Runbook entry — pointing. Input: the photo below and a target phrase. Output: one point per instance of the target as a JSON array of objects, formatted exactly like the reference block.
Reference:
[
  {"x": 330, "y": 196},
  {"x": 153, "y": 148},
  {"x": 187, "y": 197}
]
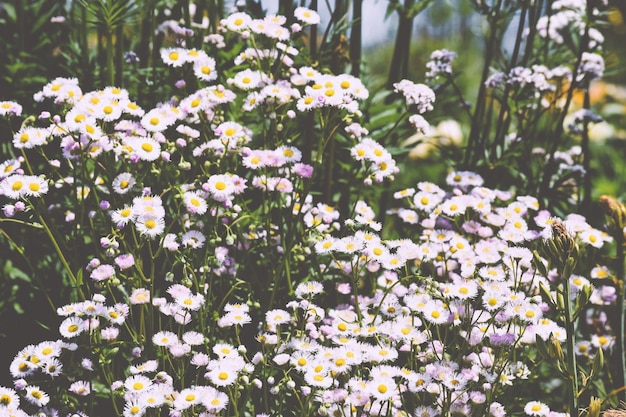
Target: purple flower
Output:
[
  {"x": 102, "y": 272},
  {"x": 125, "y": 261},
  {"x": 505, "y": 339}
]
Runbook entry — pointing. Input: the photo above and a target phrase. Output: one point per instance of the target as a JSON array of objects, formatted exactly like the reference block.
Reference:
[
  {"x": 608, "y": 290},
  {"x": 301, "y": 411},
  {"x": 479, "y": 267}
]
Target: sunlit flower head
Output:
[
  {"x": 150, "y": 225},
  {"x": 164, "y": 338},
  {"x": 174, "y": 57},
  {"x": 30, "y": 137},
  {"x": 238, "y": 21},
  {"x": 158, "y": 119},
  {"x": 204, "y": 69},
  {"x": 9, "y": 398},
  {"x": 247, "y": 79},
  {"x": 536, "y": 408},
  {"x": 123, "y": 183},
  {"x": 10, "y": 108},
  {"x": 36, "y": 396},
  {"x": 194, "y": 202},
  {"x": 220, "y": 187},
  {"x": 71, "y": 327}
]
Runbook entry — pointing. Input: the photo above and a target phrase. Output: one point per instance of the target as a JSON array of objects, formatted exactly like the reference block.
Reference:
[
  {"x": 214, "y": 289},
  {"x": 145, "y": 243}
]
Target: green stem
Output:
[
  {"x": 60, "y": 254},
  {"x": 474, "y": 142},
  {"x": 621, "y": 302},
  {"x": 571, "y": 354},
  {"x": 110, "y": 57}
]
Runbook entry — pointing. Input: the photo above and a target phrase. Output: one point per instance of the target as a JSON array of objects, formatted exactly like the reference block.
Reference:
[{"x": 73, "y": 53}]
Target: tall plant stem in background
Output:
[
  {"x": 110, "y": 57},
  {"x": 147, "y": 33},
  {"x": 356, "y": 36},
  {"x": 313, "y": 34},
  {"x": 586, "y": 201},
  {"x": 400, "y": 60},
  {"x": 474, "y": 142},
  {"x": 84, "y": 43},
  {"x": 505, "y": 115},
  {"x": 119, "y": 56},
  {"x": 550, "y": 167}
]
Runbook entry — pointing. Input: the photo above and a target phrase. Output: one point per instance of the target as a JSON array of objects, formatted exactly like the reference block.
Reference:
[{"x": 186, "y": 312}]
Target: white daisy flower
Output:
[
  {"x": 123, "y": 183},
  {"x": 71, "y": 327}
]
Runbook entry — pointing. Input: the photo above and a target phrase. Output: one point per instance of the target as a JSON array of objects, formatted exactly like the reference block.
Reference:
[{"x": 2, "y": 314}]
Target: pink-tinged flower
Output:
[
  {"x": 140, "y": 296},
  {"x": 303, "y": 170},
  {"x": 110, "y": 333},
  {"x": 125, "y": 261},
  {"x": 102, "y": 272},
  {"x": 82, "y": 388}
]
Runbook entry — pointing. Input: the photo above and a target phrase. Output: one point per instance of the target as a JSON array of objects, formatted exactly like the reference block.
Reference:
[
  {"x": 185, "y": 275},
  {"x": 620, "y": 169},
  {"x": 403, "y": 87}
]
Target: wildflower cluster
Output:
[{"x": 212, "y": 278}]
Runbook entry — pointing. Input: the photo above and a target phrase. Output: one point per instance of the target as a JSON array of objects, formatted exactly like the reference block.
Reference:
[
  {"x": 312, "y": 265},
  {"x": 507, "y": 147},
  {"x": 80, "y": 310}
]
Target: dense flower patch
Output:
[{"x": 218, "y": 281}]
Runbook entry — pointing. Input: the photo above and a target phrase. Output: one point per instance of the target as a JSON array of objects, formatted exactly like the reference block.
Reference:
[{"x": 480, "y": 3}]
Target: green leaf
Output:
[
  {"x": 10, "y": 11},
  {"x": 546, "y": 295},
  {"x": 598, "y": 363},
  {"x": 539, "y": 264},
  {"x": 542, "y": 347}
]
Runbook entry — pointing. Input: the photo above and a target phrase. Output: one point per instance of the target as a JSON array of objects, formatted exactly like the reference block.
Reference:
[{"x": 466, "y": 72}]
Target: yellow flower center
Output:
[{"x": 220, "y": 185}]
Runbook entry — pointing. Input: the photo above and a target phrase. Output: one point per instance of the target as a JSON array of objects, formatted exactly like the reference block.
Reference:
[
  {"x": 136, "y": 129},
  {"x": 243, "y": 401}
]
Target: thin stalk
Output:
[
  {"x": 549, "y": 167},
  {"x": 83, "y": 40},
  {"x": 570, "y": 330},
  {"x": 356, "y": 36},
  {"x": 586, "y": 152},
  {"x": 119, "y": 56},
  {"x": 60, "y": 254},
  {"x": 20, "y": 250},
  {"x": 474, "y": 141},
  {"x": 110, "y": 57},
  {"x": 621, "y": 303},
  {"x": 313, "y": 34},
  {"x": 400, "y": 60},
  {"x": 505, "y": 116}
]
